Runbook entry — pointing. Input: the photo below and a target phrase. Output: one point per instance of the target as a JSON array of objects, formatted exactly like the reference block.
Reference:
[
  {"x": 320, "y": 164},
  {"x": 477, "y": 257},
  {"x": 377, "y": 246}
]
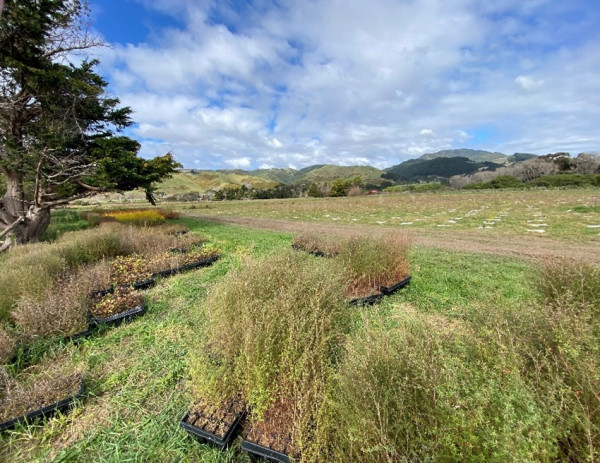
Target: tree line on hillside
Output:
[
  {"x": 551, "y": 170},
  {"x": 336, "y": 188},
  {"x": 556, "y": 169}
]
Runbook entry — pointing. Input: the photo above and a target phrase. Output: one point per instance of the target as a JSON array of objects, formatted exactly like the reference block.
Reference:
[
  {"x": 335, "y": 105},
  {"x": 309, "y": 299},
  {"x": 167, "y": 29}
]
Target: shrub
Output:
[
  {"x": 138, "y": 217},
  {"x": 506, "y": 181},
  {"x": 567, "y": 180},
  {"x": 275, "y": 327},
  {"x": 371, "y": 263},
  {"x": 54, "y": 312},
  {"x": 7, "y": 346},
  {"x": 328, "y": 245},
  {"x": 428, "y": 388},
  {"x": 564, "y": 355},
  {"x": 19, "y": 399}
]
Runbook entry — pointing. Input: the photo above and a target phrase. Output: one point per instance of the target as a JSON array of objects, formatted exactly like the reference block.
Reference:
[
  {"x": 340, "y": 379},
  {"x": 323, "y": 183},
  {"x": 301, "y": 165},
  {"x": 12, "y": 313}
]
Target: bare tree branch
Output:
[{"x": 11, "y": 226}]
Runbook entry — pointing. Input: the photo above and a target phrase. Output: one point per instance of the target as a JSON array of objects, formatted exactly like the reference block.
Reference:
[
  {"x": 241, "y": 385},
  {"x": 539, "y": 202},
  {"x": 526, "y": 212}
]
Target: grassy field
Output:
[
  {"x": 572, "y": 215},
  {"x": 137, "y": 374}
]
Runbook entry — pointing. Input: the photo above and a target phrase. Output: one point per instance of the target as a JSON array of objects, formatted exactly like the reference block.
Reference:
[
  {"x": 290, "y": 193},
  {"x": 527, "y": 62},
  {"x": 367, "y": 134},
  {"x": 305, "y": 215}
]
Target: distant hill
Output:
[
  {"x": 201, "y": 181},
  {"x": 328, "y": 173},
  {"x": 473, "y": 155},
  {"x": 442, "y": 167},
  {"x": 520, "y": 157},
  {"x": 442, "y": 164}
]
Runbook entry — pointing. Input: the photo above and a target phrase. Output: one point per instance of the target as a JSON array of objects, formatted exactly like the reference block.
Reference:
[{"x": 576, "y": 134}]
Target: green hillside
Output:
[
  {"x": 420, "y": 169},
  {"x": 328, "y": 173},
  {"x": 473, "y": 155},
  {"x": 202, "y": 181}
]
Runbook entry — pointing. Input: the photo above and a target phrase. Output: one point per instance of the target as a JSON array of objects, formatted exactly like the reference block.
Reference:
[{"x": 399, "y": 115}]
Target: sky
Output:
[{"x": 252, "y": 84}]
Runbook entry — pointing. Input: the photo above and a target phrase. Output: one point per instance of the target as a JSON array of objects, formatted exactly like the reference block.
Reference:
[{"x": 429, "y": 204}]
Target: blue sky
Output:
[{"x": 290, "y": 83}]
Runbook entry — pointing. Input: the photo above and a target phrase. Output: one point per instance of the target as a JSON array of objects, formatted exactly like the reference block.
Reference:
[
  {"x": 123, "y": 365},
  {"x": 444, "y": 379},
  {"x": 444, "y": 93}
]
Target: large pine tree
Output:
[{"x": 58, "y": 127}]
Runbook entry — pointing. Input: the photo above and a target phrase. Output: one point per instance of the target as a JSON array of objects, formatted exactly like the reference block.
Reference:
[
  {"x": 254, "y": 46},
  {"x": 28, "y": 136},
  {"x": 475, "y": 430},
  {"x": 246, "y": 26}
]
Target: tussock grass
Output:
[
  {"x": 428, "y": 388},
  {"x": 55, "y": 312},
  {"x": 372, "y": 263},
  {"x": 19, "y": 399},
  {"x": 319, "y": 243},
  {"x": 33, "y": 271},
  {"x": 140, "y": 217},
  {"x": 275, "y": 327},
  {"x": 7, "y": 346}
]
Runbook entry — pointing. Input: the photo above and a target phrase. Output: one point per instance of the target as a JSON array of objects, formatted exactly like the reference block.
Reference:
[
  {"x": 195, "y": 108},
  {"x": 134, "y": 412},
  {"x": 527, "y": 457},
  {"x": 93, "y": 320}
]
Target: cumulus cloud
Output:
[{"x": 372, "y": 82}]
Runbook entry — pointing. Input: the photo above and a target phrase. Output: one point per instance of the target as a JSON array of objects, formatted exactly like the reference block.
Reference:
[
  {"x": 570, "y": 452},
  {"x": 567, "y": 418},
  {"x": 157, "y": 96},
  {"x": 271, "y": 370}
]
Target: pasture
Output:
[{"x": 495, "y": 366}]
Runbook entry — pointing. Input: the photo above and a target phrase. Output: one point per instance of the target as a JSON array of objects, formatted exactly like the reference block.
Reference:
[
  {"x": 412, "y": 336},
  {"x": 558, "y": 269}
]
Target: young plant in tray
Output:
[
  {"x": 123, "y": 299},
  {"x": 40, "y": 396},
  {"x": 273, "y": 331},
  {"x": 319, "y": 244},
  {"x": 372, "y": 263}
]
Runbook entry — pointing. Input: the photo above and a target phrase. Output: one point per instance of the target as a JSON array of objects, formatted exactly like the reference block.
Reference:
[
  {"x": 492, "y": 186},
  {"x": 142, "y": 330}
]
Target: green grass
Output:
[
  {"x": 569, "y": 215},
  {"x": 137, "y": 375},
  {"x": 63, "y": 221}
]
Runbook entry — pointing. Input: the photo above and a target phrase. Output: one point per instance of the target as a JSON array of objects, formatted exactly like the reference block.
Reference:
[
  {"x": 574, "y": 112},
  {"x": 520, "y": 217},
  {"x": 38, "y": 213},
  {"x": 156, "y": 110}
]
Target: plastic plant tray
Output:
[
  {"x": 62, "y": 406},
  {"x": 120, "y": 317},
  {"x": 264, "y": 452}
]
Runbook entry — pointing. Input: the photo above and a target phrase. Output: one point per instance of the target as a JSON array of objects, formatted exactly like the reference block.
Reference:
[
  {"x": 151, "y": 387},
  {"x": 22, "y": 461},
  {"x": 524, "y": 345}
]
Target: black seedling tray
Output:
[
  {"x": 78, "y": 337},
  {"x": 142, "y": 284},
  {"x": 184, "y": 268},
  {"x": 264, "y": 452},
  {"x": 388, "y": 290},
  {"x": 314, "y": 253},
  {"x": 369, "y": 300},
  {"x": 46, "y": 412},
  {"x": 119, "y": 318},
  {"x": 210, "y": 438}
]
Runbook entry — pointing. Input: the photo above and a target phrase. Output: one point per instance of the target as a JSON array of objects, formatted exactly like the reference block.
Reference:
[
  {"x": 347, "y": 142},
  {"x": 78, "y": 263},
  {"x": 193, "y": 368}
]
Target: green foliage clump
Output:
[
  {"x": 370, "y": 263},
  {"x": 426, "y": 388},
  {"x": 567, "y": 180},
  {"x": 318, "y": 243},
  {"x": 275, "y": 327}
]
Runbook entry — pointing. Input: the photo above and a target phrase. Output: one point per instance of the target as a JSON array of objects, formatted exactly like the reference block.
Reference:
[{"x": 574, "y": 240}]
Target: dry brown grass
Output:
[
  {"x": 373, "y": 263},
  {"x": 7, "y": 346},
  {"x": 44, "y": 390},
  {"x": 53, "y": 313},
  {"x": 319, "y": 243}
]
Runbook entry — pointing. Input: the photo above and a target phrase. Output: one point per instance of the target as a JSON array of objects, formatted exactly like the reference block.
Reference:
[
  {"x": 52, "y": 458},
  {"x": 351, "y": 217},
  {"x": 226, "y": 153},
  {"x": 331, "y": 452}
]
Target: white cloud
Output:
[
  {"x": 528, "y": 83},
  {"x": 239, "y": 163},
  {"x": 361, "y": 82}
]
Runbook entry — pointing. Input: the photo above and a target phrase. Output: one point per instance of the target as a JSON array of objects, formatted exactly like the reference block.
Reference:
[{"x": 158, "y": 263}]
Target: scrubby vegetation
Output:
[
  {"x": 275, "y": 327},
  {"x": 480, "y": 359},
  {"x": 516, "y": 384},
  {"x": 371, "y": 263}
]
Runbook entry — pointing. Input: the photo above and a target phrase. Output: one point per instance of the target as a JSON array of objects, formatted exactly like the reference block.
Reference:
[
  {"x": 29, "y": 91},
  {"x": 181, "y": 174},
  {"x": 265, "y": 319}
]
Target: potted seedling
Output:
[
  {"x": 45, "y": 397},
  {"x": 114, "y": 308},
  {"x": 214, "y": 424}
]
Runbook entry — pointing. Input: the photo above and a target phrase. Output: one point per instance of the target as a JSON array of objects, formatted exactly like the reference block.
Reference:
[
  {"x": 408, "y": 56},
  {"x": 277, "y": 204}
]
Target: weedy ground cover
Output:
[
  {"x": 477, "y": 328},
  {"x": 572, "y": 215},
  {"x": 140, "y": 217},
  {"x": 275, "y": 326}
]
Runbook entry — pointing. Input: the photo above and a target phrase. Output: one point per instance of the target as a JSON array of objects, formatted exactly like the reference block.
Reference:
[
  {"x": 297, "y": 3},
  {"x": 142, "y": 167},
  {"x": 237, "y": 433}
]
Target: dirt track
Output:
[{"x": 518, "y": 246}]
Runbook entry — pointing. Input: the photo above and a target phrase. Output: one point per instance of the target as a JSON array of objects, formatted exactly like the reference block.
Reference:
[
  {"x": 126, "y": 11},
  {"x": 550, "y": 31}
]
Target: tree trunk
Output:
[{"x": 14, "y": 207}]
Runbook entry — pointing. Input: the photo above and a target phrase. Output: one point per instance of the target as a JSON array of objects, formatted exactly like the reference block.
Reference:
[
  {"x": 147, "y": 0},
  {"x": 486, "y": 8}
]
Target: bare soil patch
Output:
[{"x": 534, "y": 247}]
